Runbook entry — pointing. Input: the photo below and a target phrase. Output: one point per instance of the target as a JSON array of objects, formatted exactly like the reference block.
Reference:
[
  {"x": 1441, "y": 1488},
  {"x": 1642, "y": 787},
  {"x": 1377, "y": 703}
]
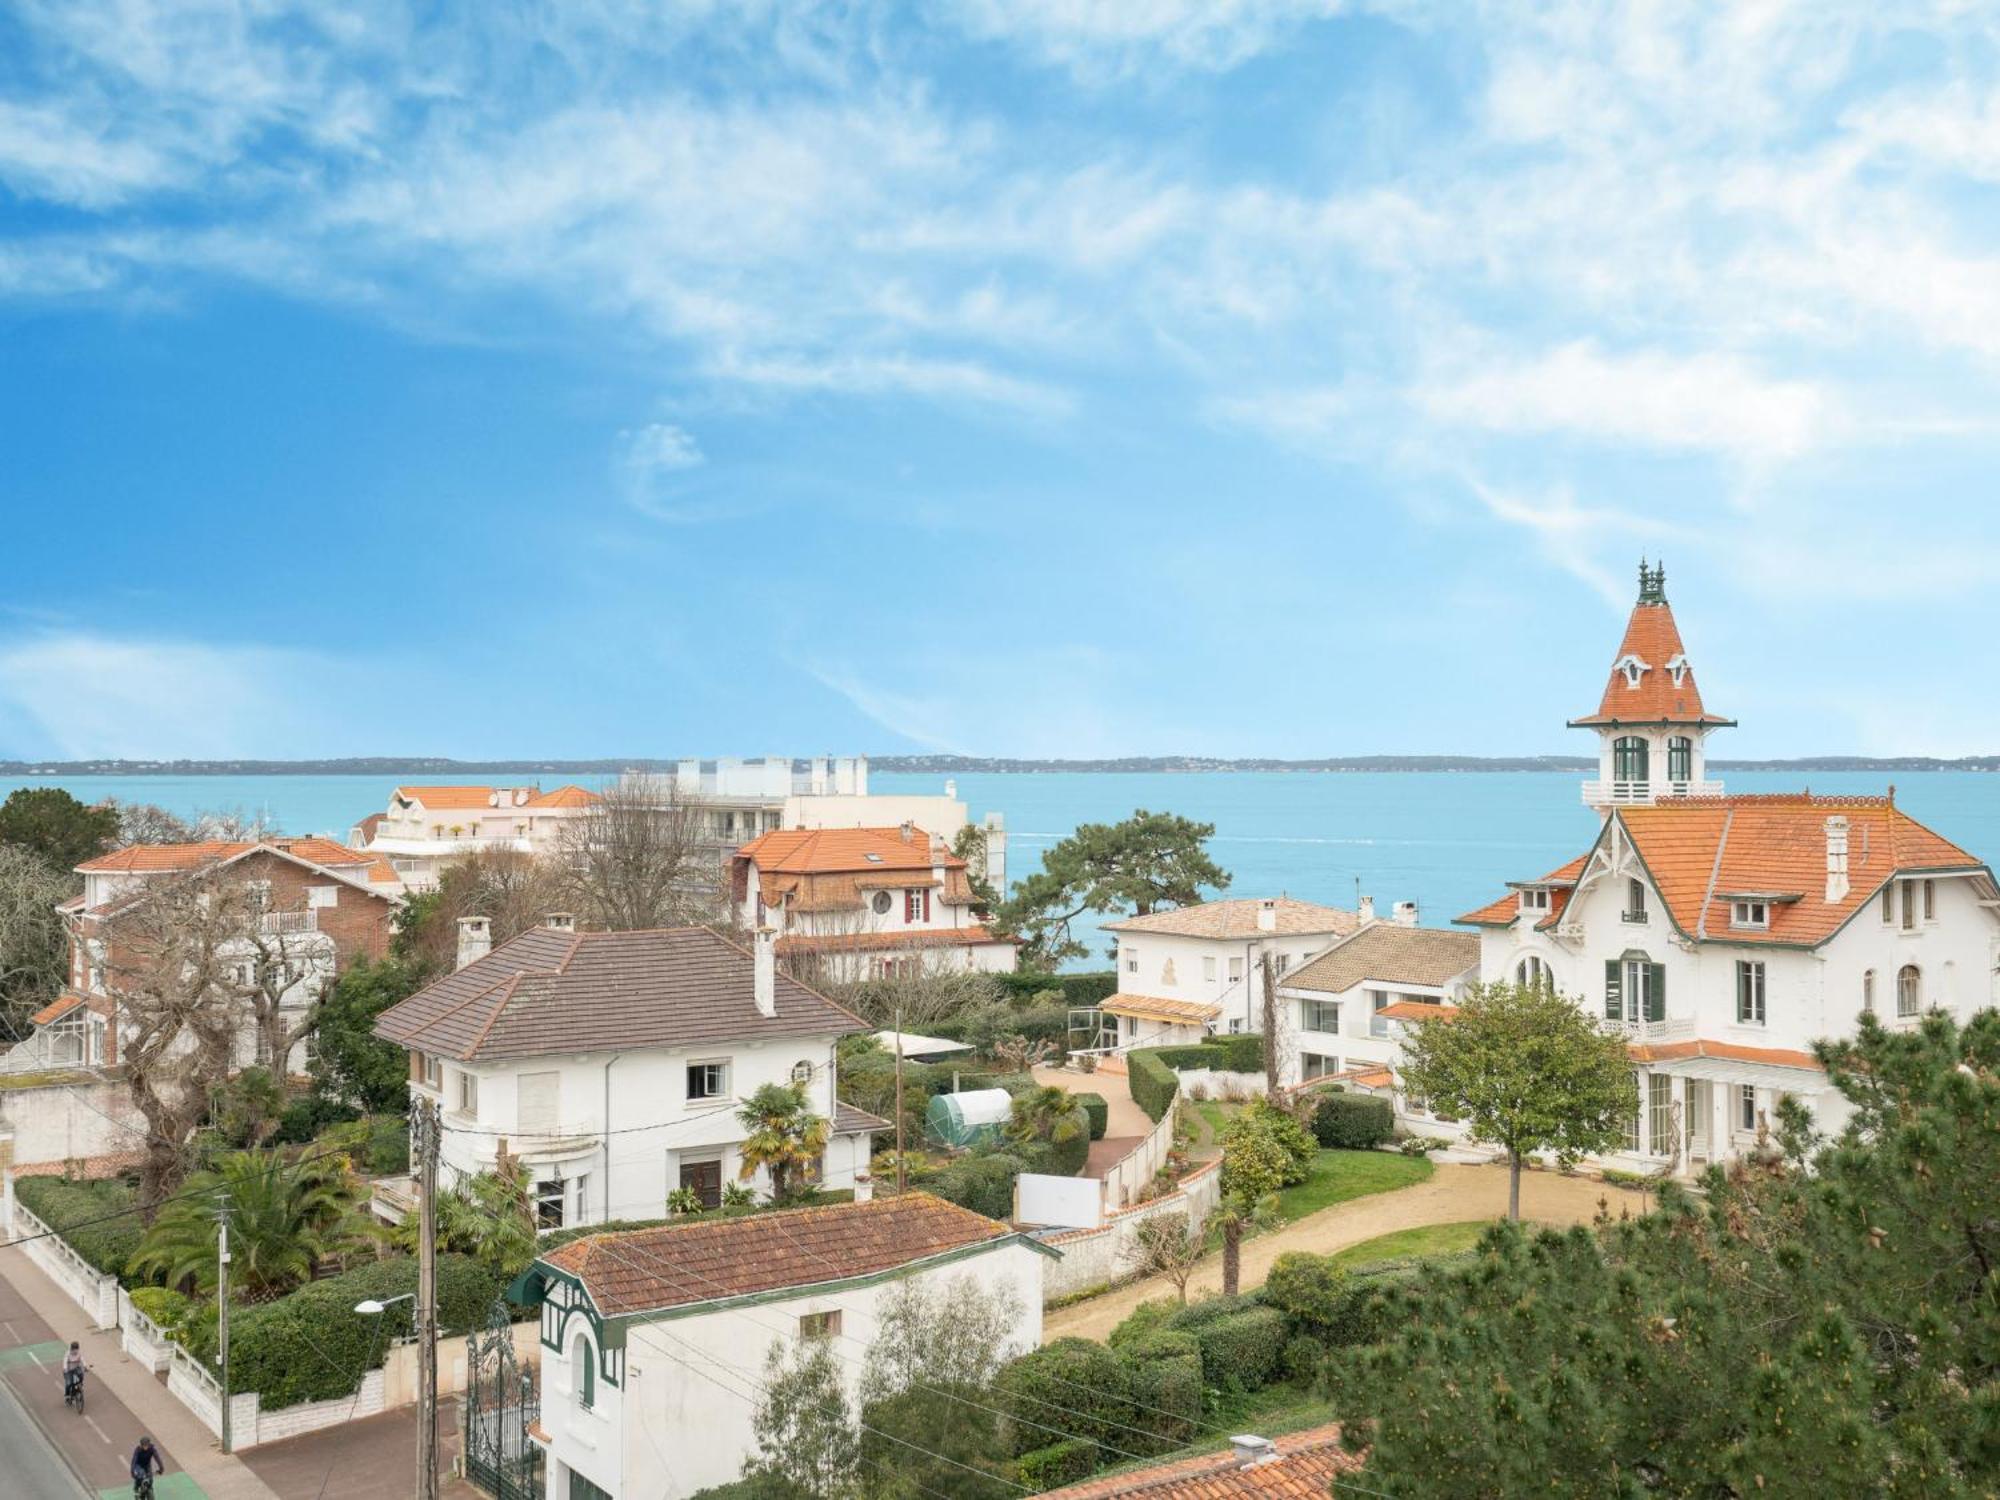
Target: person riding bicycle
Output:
[
  {"x": 146, "y": 1462},
  {"x": 72, "y": 1368}
]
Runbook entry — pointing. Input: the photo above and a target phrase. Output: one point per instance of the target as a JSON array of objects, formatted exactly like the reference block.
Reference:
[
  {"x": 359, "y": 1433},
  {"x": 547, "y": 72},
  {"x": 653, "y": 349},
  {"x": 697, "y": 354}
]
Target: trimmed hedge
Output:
[
  {"x": 1058, "y": 1464},
  {"x": 69, "y": 1207},
  {"x": 984, "y": 1184},
  {"x": 1151, "y": 1070},
  {"x": 1310, "y": 1290},
  {"x": 1209, "y": 1310},
  {"x": 1352, "y": 1122},
  {"x": 1145, "y": 1320},
  {"x": 1152, "y": 1082},
  {"x": 1098, "y": 1111},
  {"x": 1241, "y": 1352}
]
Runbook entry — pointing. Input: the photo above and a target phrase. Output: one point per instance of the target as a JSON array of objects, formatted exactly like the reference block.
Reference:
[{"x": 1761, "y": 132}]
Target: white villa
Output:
[
  {"x": 426, "y": 827},
  {"x": 1725, "y": 934},
  {"x": 1341, "y": 1008},
  {"x": 611, "y": 1065},
  {"x": 654, "y": 1340}
]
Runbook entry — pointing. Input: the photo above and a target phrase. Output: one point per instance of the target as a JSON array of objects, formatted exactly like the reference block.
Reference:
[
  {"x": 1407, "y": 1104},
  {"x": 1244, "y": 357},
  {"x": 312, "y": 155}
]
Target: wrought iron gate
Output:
[{"x": 500, "y": 1404}]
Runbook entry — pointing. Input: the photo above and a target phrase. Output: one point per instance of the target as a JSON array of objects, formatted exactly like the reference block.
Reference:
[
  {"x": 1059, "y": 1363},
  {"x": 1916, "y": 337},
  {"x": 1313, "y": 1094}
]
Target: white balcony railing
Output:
[
  {"x": 1597, "y": 793},
  {"x": 1673, "y": 1029},
  {"x": 287, "y": 923}
]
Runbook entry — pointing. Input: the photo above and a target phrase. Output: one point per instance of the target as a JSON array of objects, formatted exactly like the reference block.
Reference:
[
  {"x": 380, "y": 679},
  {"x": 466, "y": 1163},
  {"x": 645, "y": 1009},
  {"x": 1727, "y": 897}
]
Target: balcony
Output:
[
  {"x": 287, "y": 923},
  {"x": 1644, "y": 793},
  {"x": 1673, "y": 1029}
]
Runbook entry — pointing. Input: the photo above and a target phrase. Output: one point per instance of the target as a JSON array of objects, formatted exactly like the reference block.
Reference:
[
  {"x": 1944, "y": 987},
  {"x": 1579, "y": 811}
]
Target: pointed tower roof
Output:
[{"x": 1651, "y": 681}]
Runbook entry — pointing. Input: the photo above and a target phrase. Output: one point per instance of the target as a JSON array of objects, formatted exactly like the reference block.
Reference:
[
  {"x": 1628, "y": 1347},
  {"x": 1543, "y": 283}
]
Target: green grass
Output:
[
  {"x": 1216, "y": 1113},
  {"x": 1414, "y": 1244},
  {"x": 1338, "y": 1176}
]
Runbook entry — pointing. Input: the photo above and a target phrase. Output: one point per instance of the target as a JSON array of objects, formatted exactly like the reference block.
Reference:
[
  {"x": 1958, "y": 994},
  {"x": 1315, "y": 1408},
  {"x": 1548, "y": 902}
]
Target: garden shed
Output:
[{"x": 969, "y": 1118}]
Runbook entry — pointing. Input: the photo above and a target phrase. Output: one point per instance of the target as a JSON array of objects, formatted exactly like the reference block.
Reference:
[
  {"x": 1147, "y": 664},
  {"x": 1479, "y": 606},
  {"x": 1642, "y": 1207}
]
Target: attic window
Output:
[
  {"x": 1679, "y": 667},
  {"x": 872, "y": 857},
  {"x": 1750, "y": 914},
  {"x": 1632, "y": 669},
  {"x": 1535, "y": 899}
]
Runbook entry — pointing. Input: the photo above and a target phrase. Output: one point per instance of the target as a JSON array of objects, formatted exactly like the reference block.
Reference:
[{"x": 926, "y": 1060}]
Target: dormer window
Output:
[
  {"x": 1635, "y": 900},
  {"x": 1751, "y": 914},
  {"x": 1631, "y": 668},
  {"x": 1678, "y": 669},
  {"x": 1535, "y": 899}
]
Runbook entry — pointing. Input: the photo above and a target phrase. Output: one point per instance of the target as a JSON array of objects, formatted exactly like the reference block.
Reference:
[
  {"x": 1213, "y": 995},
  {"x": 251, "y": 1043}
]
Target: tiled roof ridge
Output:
[
  {"x": 499, "y": 1010},
  {"x": 1714, "y": 872},
  {"x": 730, "y": 942},
  {"x": 1805, "y": 797}
]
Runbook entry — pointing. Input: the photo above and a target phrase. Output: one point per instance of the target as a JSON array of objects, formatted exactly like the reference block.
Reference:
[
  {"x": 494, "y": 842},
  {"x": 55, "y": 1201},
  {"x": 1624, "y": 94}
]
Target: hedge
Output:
[
  {"x": 313, "y": 1345},
  {"x": 70, "y": 1207},
  {"x": 1353, "y": 1122},
  {"x": 1310, "y": 1290},
  {"x": 1098, "y": 1111},
  {"x": 1076, "y": 1387},
  {"x": 1060, "y": 1463},
  {"x": 1209, "y": 1310},
  {"x": 1143, "y": 1321},
  {"x": 1078, "y": 990},
  {"x": 1152, "y": 1082},
  {"x": 1241, "y": 1351},
  {"x": 984, "y": 1184}
]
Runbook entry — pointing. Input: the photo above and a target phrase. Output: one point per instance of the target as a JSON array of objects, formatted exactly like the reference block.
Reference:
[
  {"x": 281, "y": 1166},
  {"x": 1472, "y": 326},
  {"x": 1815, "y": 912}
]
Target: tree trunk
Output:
[
  {"x": 1232, "y": 1255},
  {"x": 1514, "y": 1186}
]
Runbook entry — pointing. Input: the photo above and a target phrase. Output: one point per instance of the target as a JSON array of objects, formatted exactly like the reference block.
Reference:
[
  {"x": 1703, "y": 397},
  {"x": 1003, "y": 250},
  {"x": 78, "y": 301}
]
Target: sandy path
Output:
[{"x": 1453, "y": 1193}]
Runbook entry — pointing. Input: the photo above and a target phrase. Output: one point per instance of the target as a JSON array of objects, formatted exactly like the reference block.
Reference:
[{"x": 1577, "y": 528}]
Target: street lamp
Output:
[{"x": 370, "y": 1308}]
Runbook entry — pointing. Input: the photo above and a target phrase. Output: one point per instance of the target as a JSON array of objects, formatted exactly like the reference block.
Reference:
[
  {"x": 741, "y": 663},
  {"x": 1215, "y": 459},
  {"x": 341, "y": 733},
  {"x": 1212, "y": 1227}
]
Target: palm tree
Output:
[
  {"x": 284, "y": 1218},
  {"x": 1045, "y": 1114},
  {"x": 485, "y": 1216},
  {"x": 786, "y": 1138}
]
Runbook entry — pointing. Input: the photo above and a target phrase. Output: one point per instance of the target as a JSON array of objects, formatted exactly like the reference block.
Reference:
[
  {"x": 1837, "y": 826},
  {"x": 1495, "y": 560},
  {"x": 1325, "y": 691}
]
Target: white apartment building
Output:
[
  {"x": 1725, "y": 934},
  {"x": 426, "y": 827},
  {"x": 865, "y": 903},
  {"x": 654, "y": 1340},
  {"x": 1198, "y": 969},
  {"x": 1340, "y": 1010},
  {"x": 611, "y": 1065}
]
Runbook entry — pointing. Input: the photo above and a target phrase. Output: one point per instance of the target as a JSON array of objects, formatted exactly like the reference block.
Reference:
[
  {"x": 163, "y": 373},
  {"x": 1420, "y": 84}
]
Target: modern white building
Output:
[
  {"x": 865, "y": 903},
  {"x": 1198, "y": 969},
  {"x": 1724, "y": 935},
  {"x": 426, "y": 827},
  {"x": 611, "y": 1065},
  {"x": 1340, "y": 1009},
  {"x": 654, "y": 1341}
]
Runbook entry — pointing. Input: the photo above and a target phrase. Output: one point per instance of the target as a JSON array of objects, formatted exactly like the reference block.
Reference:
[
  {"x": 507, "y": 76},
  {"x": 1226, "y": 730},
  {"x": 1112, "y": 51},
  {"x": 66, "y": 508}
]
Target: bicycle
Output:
[
  {"x": 73, "y": 1390},
  {"x": 142, "y": 1487}
]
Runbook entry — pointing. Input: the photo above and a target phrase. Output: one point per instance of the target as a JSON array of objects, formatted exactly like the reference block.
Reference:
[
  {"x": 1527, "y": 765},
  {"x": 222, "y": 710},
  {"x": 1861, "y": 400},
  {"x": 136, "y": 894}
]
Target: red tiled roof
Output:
[
  {"x": 448, "y": 798},
  {"x": 1239, "y": 919},
  {"x": 565, "y": 796},
  {"x": 1303, "y": 1469},
  {"x": 680, "y": 1265},
  {"x": 1776, "y": 1057},
  {"x": 818, "y": 851},
  {"x": 1651, "y": 636},
  {"x": 146, "y": 859},
  {"x": 57, "y": 1008},
  {"x": 872, "y": 942},
  {"x": 91, "y": 1168},
  {"x": 1502, "y": 910},
  {"x": 1416, "y": 1010}
]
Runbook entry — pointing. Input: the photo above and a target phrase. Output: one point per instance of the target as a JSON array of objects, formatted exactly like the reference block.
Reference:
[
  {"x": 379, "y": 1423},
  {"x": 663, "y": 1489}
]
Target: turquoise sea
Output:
[{"x": 1446, "y": 840}]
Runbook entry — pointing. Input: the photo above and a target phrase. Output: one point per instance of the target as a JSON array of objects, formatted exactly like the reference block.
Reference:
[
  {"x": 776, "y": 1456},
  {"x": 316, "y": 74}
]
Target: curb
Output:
[{"x": 83, "y": 1486}]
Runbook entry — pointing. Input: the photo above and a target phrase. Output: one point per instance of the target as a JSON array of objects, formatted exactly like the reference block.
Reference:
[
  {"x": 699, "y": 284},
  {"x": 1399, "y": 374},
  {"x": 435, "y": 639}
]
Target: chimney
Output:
[
  {"x": 939, "y": 848},
  {"x": 1251, "y": 1450},
  {"x": 1405, "y": 913},
  {"x": 764, "y": 981},
  {"x": 1267, "y": 915},
  {"x": 864, "y": 1188},
  {"x": 951, "y": 790},
  {"x": 1367, "y": 912},
  {"x": 1836, "y": 858},
  {"x": 909, "y": 832},
  {"x": 475, "y": 939},
  {"x": 560, "y": 921}
]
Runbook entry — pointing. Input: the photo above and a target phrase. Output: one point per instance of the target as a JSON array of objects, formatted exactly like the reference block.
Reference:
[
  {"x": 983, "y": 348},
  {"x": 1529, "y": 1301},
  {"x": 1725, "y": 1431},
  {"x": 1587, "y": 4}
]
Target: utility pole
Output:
[
  {"x": 424, "y": 1146},
  {"x": 899, "y": 1098},
  {"x": 222, "y": 1305}
]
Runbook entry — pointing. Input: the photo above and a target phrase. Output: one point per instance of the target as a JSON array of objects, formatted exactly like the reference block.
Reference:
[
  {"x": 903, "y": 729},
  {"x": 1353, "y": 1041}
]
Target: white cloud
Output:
[
  {"x": 1577, "y": 538},
  {"x": 1114, "y": 37},
  {"x": 660, "y": 448},
  {"x": 44, "y": 153}
]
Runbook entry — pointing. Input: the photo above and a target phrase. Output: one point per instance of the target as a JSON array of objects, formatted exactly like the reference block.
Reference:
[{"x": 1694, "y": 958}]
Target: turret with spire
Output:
[{"x": 1651, "y": 726}]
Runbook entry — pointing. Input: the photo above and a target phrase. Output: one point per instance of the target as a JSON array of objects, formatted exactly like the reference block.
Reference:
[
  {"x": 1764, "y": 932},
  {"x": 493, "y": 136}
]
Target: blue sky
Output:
[{"x": 1027, "y": 376}]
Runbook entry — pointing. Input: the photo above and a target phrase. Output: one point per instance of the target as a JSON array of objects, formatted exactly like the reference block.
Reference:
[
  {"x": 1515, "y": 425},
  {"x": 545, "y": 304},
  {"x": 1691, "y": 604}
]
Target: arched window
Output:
[
  {"x": 1532, "y": 973},
  {"x": 1868, "y": 991},
  {"x": 583, "y": 1372},
  {"x": 1680, "y": 758},
  {"x": 1909, "y": 990},
  {"x": 1628, "y": 759}
]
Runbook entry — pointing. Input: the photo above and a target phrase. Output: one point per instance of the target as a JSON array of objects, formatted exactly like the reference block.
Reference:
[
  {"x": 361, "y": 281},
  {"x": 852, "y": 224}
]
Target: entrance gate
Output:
[{"x": 501, "y": 1403}]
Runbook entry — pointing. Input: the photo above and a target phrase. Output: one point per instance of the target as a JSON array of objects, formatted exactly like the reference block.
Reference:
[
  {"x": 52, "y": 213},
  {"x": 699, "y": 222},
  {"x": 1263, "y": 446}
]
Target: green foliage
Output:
[
  {"x": 984, "y": 1027},
  {"x": 787, "y": 1139},
  {"x": 1241, "y": 1351},
  {"x": 309, "y": 1114},
  {"x": 983, "y": 1183},
  {"x": 1300, "y": 1359},
  {"x": 1284, "y": 1127},
  {"x": 1152, "y": 1082},
  {"x": 1148, "y": 862},
  {"x": 1200, "y": 1314},
  {"x": 1074, "y": 1387},
  {"x": 377, "y": 1145},
  {"x": 245, "y": 1110},
  {"x": 350, "y": 1063},
  {"x": 1077, "y": 989},
  {"x": 1148, "y": 1318},
  {"x": 1352, "y": 1122},
  {"x": 1310, "y": 1290},
  {"x": 171, "y": 1312},
  {"x": 1151, "y": 1070},
  {"x": 1060, "y": 1463},
  {"x": 1097, "y": 1111},
  {"x": 69, "y": 1207},
  {"x": 1050, "y": 1116},
  {"x": 284, "y": 1218},
  {"x": 1258, "y": 1158},
  {"x": 807, "y": 1441},
  {"x": 486, "y": 1216},
  {"x": 54, "y": 825}
]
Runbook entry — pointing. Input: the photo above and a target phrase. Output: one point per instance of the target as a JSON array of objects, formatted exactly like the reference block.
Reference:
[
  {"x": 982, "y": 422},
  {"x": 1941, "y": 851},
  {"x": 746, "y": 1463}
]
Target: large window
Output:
[
  {"x": 1317, "y": 1065},
  {"x": 1531, "y": 973},
  {"x": 1660, "y": 1114},
  {"x": 1749, "y": 992},
  {"x": 1628, "y": 759},
  {"x": 1320, "y": 1015},
  {"x": 1635, "y": 989},
  {"x": 1680, "y": 758},
  {"x": 917, "y": 905},
  {"x": 708, "y": 1080},
  {"x": 1635, "y": 1121},
  {"x": 549, "y": 1204},
  {"x": 583, "y": 1373},
  {"x": 1909, "y": 991}
]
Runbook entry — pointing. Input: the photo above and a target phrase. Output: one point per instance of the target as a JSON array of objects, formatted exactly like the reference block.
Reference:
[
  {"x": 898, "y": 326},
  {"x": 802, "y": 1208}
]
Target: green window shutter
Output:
[
  {"x": 1656, "y": 1004},
  {"x": 1614, "y": 985}
]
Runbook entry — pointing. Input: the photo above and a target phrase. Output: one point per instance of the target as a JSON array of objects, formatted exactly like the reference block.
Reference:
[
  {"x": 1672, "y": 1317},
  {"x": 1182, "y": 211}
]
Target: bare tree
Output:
[
  {"x": 639, "y": 858},
  {"x": 921, "y": 990},
  {"x": 32, "y": 941},
  {"x": 149, "y": 823},
  {"x": 511, "y": 889},
  {"x": 285, "y": 968},
  {"x": 1166, "y": 1245}
]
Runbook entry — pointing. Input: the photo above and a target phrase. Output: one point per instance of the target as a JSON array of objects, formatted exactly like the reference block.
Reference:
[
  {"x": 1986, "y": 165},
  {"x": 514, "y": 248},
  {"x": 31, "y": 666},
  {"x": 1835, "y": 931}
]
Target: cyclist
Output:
[
  {"x": 146, "y": 1462},
  {"x": 72, "y": 1368}
]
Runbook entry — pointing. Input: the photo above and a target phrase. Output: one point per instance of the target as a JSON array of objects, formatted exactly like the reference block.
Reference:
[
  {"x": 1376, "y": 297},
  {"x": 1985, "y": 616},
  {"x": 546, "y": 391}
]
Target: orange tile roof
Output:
[
  {"x": 139, "y": 859},
  {"x": 1416, "y": 1010},
  {"x": 681, "y": 1265},
  {"x": 57, "y": 1008},
  {"x": 1303, "y": 1469},
  {"x": 1651, "y": 636},
  {"x": 442, "y": 798},
  {"x": 1776, "y": 1057},
  {"x": 565, "y": 796},
  {"x": 820, "y": 851},
  {"x": 872, "y": 942},
  {"x": 89, "y": 1168},
  {"x": 1159, "y": 1008},
  {"x": 1502, "y": 910}
]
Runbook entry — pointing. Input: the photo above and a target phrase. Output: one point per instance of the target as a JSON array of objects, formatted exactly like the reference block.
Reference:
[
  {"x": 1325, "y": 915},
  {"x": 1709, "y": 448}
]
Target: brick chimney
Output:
[
  {"x": 475, "y": 939},
  {"x": 1267, "y": 915},
  {"x": 764, "y": 973},
  {"x": 1836, "y": 858}
]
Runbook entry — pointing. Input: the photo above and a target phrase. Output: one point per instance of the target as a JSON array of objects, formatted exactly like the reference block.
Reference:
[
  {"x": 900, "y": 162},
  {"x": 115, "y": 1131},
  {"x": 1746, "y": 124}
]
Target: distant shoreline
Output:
[{"x": 957, "y": 765}]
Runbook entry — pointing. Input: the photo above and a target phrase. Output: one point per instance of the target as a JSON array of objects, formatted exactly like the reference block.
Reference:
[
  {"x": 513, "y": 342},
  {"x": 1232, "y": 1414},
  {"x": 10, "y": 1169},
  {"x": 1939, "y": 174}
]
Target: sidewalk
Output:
[{"x": 364, "y": 1460}]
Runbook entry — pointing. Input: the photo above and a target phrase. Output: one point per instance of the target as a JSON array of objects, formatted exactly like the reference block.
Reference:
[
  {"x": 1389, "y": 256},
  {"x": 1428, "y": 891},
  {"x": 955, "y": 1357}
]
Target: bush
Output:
[
  {"x": 1300, "y": 1359},
  {"x": 1075, "y": 1387},
  {"x": 1153, "y": 1083},
  {"x": 1363, "y": 1313},
  {"x": 1241, "y": 1053},
  {"x": 1167, "y": 1389},
  {"x": 1241, "y": 1352},
  {"x": 1421, "y": 1145},
  {"x": 1308, "y": 1289},
  {"x": 1352, "y": 1122},
  {"x": 1060, "y": 1463},
  {"x": 1148, "y": 1318},
  {"x": 169, "y": 1310},
  {"x": 1098, "y": 1111},
  {"x": 984, "y": 1184},
  {"x": 1078, "y": 990},
  {"x": 1284, "y": 1127},
  {"x": 306, "y": 1116},
  {"x": 78, "y": 1212},
  {"x": 1197, "y": 1315}
]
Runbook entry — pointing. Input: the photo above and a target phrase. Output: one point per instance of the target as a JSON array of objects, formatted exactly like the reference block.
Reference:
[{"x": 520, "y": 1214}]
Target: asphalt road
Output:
[{"x": 32, "y": 1469}]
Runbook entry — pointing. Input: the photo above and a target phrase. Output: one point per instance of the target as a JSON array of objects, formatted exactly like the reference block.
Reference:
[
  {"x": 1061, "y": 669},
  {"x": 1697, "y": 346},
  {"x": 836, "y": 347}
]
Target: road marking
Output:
[
  {"x": 166, "y": 1487},
  {"x": 37, "y": 1354},
  {"x": 103, "y": 1436}
]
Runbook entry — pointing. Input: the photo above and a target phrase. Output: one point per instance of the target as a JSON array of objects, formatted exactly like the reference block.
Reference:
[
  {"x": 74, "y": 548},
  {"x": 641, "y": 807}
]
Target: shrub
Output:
[
  {"x": 1421, "y": 1145},
  {"x": 1153, "y": 1083},
  {"x": 306, "y": 1116},
  {"x": 1160, "y": 1343},
  {"x": 1098, "y": 1111},
  {"x": 78, "y": 1212},
  {"x": 1166, "y": 1388},
  {"x": 1242, "y": 1052},
  {"x": 1241, "y": 1352},
  {"x": 1077, "y": 990},
  {"x": 1352, "y": 1122},
  {"x": 1362, "y": 1314},
  {"x": 169, "y": 1310},
  {"x": 1285, "y": 1128},
  {"x": 1300, "y": 1358},
  {"x": 984, "y": 1184},
  {"x": 1197, "y": 1315},
  {"x": 1148, "y": 1318},
  {"x": 1076, "y": 1387},
  {"x": 1308, "y": 1289},
  {"x": 1060, "y": 1463}
]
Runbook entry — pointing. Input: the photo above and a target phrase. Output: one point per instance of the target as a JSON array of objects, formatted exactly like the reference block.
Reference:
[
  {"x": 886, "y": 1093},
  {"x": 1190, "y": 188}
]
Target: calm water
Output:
[{"x": 1445, "y": 840}]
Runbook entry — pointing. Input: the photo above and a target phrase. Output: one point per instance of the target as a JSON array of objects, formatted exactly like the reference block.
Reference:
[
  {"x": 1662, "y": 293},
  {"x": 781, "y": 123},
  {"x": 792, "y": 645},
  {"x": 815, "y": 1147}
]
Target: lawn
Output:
[
  {"x": 1337, "y": 1176},
  {"x": 1414, "y": 1244}
]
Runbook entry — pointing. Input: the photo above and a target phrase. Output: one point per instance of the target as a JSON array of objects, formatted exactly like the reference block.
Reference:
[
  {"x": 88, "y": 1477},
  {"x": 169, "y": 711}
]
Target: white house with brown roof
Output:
[
  {"x": 865, "y": 903},
  {"x": 426, "y": 827},
  {"x": 1198, "y": 969},
  {"x": 1724, "y": 935},
  {"x": 1339, "y": 1010},
  {"x": 611, "y": 1065},
  {"x": 654, "y": 1341}
]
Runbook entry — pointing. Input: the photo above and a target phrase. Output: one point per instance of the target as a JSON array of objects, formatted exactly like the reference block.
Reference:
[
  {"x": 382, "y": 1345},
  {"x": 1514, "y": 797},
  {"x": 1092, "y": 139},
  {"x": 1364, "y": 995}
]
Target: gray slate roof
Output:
[
  {"x": 1392, "y": 953},
  {"x": 547, "y": 992}
]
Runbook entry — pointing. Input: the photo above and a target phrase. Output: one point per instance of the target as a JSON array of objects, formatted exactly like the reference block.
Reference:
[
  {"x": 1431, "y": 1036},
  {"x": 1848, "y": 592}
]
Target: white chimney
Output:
[
  {"x": 475, "y": 939},
  {"x": 1405, "y": 913},
  {"x": 1367, "y": 912},
  {"x": 1836, "y": 858},
  {"x": 764, "y": 981},
  {"x": 951, "y": 790},
  {"x": 939, "y": 848},
  {"x": 864, "y": 1187},
  {"x": 1267, "y": 915},
  {"x": 909, "y": 832},
  {"x": 560, "y": 921},
  {"x": 1251, "y": 1450}
]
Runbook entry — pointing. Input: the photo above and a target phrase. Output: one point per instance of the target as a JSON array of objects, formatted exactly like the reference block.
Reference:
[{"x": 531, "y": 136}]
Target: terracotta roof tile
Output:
[
  {"x": 1159, "y": 1008},
  {"x": 1652, "y": 637},
  {"x": 1502, "y": 910},
  {"x": 813, "y": 851},
  {"x": 564, "y": 796},
  {"x": 650, "y": 1270},
  {"x": 448, "y": 798},
  {"x": 1238, "y": 919},
  {"x": 886, "y": 942},
  {"x": 57, "y": 1008},
  {"x": 1417, "y": 1010},
  {"x": 1304, "y": 1468},
  {"x": 1776, "y": 1057},
  {"x": 146, "y": 859},
  {"x": 1391, "y": 952}
]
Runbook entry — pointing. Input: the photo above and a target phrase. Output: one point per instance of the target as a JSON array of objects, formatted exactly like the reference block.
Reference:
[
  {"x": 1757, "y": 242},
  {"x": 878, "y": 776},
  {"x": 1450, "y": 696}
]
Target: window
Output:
[
  {"x": 1635, "y": 900},
  {"x": 433, "y": 1070},
  {"x": 1749, "y": 993},
  {"x": 802, "y": 1072},
  {"x": 583, "y": 1373},
  {"x": 1889, "y": 902},
  {"x": 1631, "y": 668},
  {"x": 1534, "y": 899},
  {"x": 1378, "y": 1002},
  {"x": 917, "y": 905},
  {"x": 1532, "y": 973},
  {"x": 1167, "y": 974},
  {"x": 1635, "y": 989},
  {"x": 1634, "y": 1121},
  {"x": 582, "y": 1489},
  {"x": 1868, "y": 991},
  {"x": 322, "y": 896},
  {"x": 1909, "y": 991},
  {"x": 708, "y": 1080},
  {"x": 1628, "y": 759},
  {"x": 468, "y": 1094},
  {"x": 1235, "y": 970},
  {"x": 549, "y": 1204},
  {"x": 1909, "y": 905},
  {"x": 1680, "y": 758},
  {"x": 1280, "y": 962},
  {"x": 1930, "y": 900},
  {"x": 1319, "y": 1015},
  {"x": 1746, "y": 1106},
  {"x": 1317, "y": 1065},
  {"x": 579, "y": 1198},
  {"x": 820, "y": 1325},
  {"x": 1208, "y": 969},
  {"x": 1660, "y": 1114},
  {"x": 881, "y": 901},
  {"x": 1132, "y": 960},
  {"x": 537, "y": 1101},
  {"x": 1749, "y": 914}
]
